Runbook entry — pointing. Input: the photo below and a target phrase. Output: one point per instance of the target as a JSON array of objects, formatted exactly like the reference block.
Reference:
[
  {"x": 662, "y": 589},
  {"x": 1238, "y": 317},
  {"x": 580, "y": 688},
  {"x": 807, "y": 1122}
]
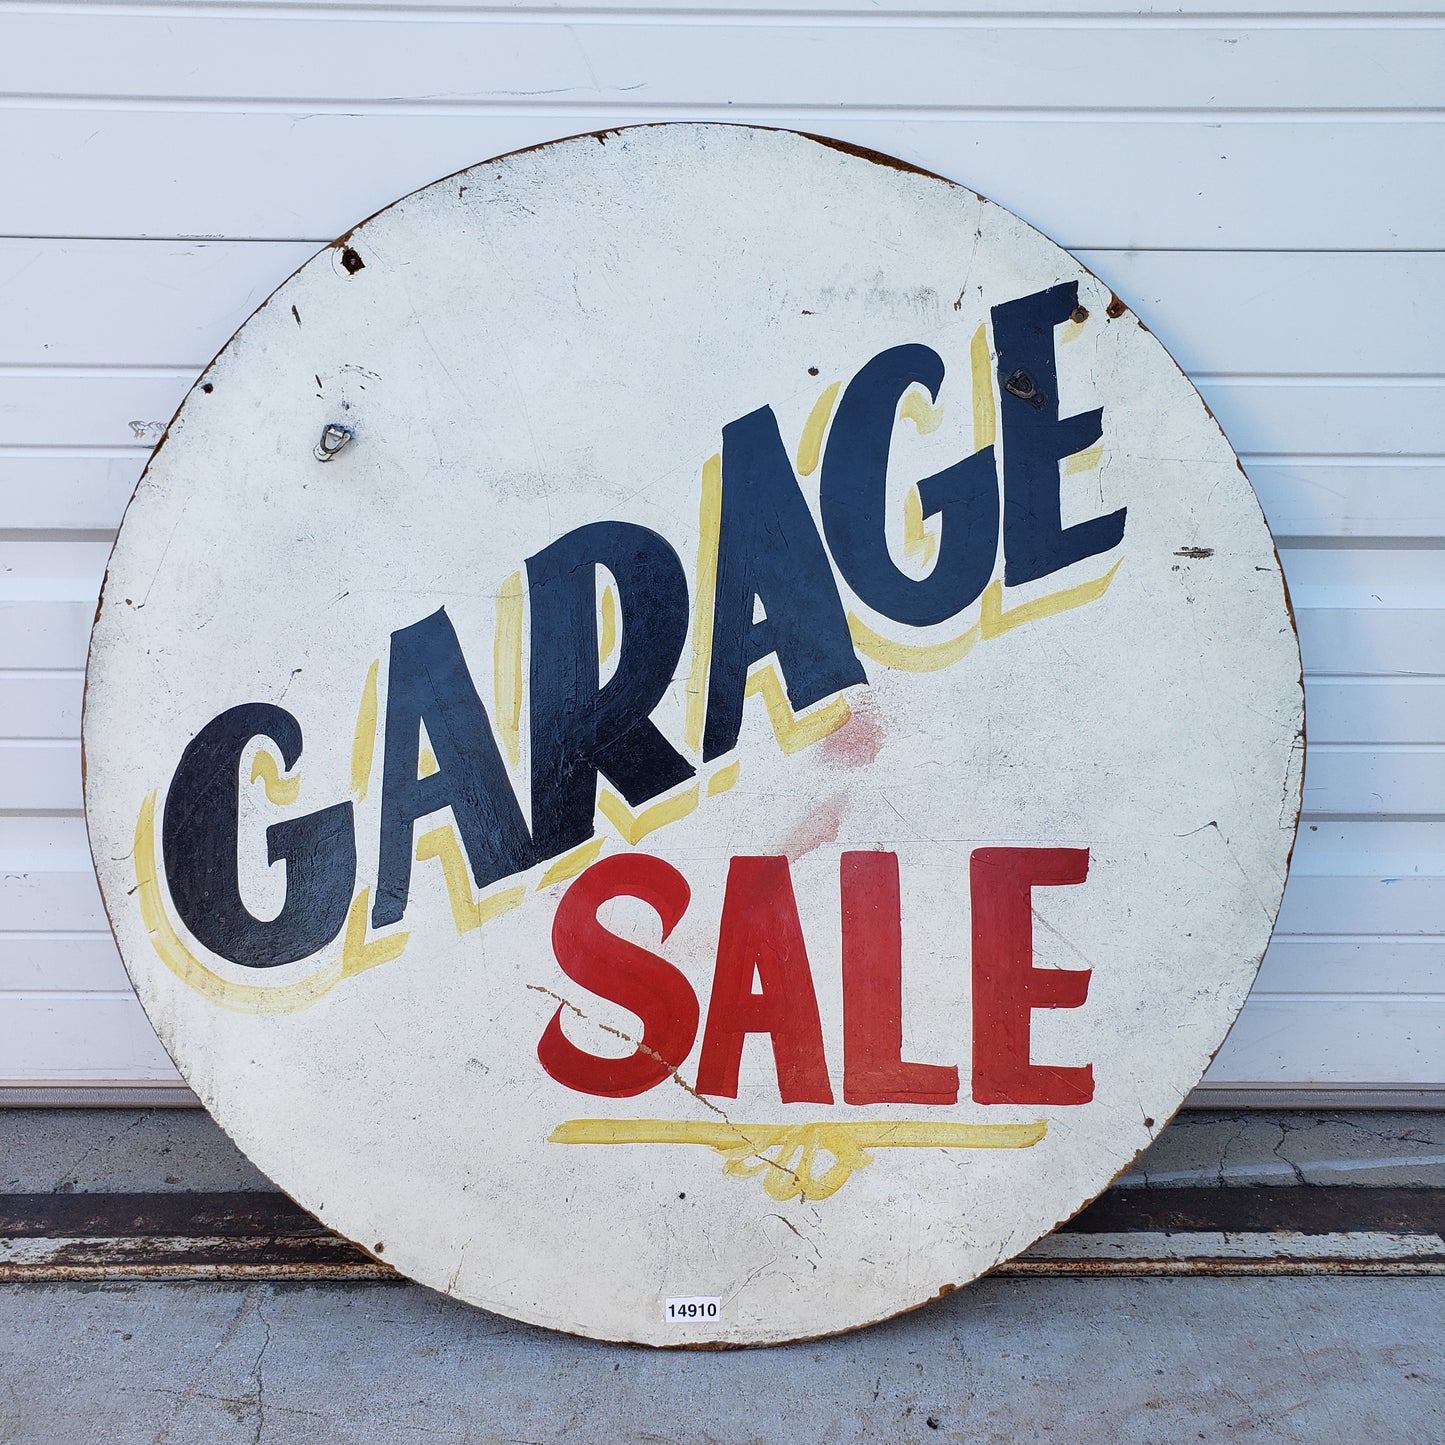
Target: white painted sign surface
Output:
[{"x": 693, "y": 715}]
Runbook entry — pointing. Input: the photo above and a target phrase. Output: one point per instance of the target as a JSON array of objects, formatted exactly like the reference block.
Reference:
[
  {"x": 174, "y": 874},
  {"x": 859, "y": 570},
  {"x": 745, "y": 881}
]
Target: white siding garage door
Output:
[{"x": 1262, "y": 184}]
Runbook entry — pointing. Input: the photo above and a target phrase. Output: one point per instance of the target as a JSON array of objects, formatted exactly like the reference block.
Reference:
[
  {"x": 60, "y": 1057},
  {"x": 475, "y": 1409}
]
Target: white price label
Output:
[{"x": 695, "y": 1307}]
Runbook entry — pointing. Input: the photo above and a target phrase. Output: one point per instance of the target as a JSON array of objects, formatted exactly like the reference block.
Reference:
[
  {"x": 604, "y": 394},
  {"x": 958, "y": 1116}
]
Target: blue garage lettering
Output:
[{"x": 776, "y": 595}]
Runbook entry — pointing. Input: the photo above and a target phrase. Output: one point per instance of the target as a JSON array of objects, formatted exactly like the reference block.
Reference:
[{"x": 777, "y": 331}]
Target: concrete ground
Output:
[
  {"x": 1320, "y": 1359},
  {"x": 1078, "y": 1360}
]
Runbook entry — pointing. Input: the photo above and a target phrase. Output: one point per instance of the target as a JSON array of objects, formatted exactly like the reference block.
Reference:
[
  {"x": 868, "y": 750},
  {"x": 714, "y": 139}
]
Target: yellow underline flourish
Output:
[{"x": 789, "y": 1173}]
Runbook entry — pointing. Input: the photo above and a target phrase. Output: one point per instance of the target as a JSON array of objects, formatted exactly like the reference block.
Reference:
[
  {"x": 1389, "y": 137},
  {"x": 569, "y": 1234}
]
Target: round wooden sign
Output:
[{"x": 693, "y": 736}]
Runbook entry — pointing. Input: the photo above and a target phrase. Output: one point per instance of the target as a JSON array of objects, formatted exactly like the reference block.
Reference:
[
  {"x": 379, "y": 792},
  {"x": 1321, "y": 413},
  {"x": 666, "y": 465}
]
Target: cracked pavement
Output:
[{"x": 1094, "y": 1360}]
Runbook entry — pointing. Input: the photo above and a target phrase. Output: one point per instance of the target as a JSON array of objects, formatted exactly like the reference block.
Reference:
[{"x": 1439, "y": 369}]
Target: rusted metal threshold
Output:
[
  {"x": 180, "y": 1236},
  {"x": 1259, "y": 1230},
  {"x": 1255, "y": 1230}
]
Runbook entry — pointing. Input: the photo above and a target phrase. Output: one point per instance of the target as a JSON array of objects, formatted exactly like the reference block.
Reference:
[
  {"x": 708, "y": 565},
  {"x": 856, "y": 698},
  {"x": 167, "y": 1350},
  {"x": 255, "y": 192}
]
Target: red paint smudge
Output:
[
  {"x": 857, "y": 743},
  {"x": 820, "y": 826}
]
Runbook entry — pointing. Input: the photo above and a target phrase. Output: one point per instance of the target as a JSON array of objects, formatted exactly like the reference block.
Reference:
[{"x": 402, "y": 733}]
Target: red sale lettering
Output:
[
  {"x": 874, "y": 1071},
  {"x": 761, "y": 937},
  {"x": 1007, "y": 988},
  {"x": 615, "y": 969},
  {"x": 760, "y": 942}
]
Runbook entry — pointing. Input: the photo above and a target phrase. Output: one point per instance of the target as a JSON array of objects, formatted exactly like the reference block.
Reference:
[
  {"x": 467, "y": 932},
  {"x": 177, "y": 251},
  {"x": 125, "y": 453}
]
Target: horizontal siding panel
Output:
[
  {"x": 1370, "y": 879},
  {"x": 1407, "y": 903},
  {"x": 64, "y": 566},
  {"x": 40, "y": 899},
  {"x": 40, "y": 705},
  {"x": 1362, "y": 781},
  {"x": 47, "y": 882},
  {"x": 1269, "y": 415},
  {"x": 117, "y": 409},
  {"x": 1326, "y": 497},
  {"x": 1333, "y": 1043},
  {"x": 49, "y": 634},
  {"x": 1370, "y": 571},
  {"x": 74, "y": 1038},
  {"x": 1367, "y": 711},
  {"x": 76, "y": 491},
  {"x": 657, "y": 63},
  {"x": 1353, "y": 966},
  {"x": 93, "y": 411},
  {"x": 1260, "y": 311},
  {"x": 1229, "y": 184},
  {"x": 134, "y": 303},
  {"x": 40, "y": 776},
  {"x": 1402, "y": 642},
  {"x": 61, "y": 963},
  {"x": 176, "y": 303}
]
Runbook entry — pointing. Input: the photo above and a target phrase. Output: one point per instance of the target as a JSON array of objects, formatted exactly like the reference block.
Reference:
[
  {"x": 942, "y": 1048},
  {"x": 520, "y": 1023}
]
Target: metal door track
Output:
[{"x": 1259, "y": 1230}]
